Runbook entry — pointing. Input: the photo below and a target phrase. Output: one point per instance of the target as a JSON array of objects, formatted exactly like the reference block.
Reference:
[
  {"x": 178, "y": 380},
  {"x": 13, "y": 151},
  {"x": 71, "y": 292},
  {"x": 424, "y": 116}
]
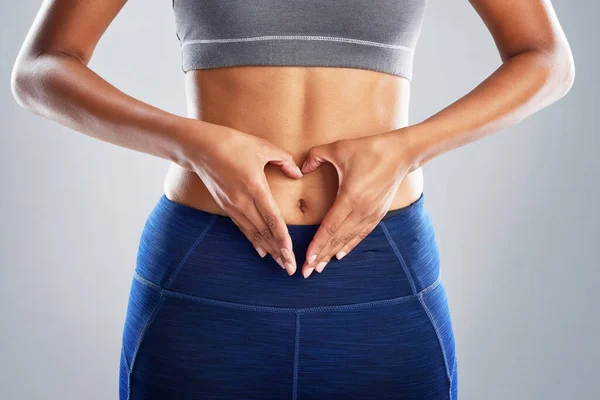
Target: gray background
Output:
[{"x": 515, "y": 213}]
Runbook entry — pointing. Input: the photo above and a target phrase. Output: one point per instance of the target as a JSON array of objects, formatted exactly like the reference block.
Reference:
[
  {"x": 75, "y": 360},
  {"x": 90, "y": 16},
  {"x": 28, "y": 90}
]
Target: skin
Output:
[{"x": 249, "y": 128}]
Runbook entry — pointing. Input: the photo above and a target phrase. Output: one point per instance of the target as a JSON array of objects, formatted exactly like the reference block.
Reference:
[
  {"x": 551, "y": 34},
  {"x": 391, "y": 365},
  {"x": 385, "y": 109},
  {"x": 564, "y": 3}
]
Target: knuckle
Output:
[
  {"x": 271, "y": 220},
  {"x": 238, "y": 200},
  {"x": 267, "y": 234},
  {"x": 331, "y": 228},
  {"x": 255, "y": 235},
  {"x": 346, "y": 238},
  {"x": 364, "y": 233},
  {"x": 335, "y": 242}
]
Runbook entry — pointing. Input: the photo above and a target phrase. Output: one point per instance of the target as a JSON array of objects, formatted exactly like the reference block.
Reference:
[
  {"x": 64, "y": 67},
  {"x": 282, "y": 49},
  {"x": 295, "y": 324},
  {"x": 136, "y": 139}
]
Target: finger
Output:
[
  {"x": 316, "y": 156},
  {"x": 334, "y": 218},
  {"x": 253, "y": 232},
  {"x": 267, "y": 207},
  {"x": 257, "y": 245},
  {"x": 359, "y": 237},
  {"x": 285, "y": 162},
  {"x": 351, "y": 225},
  {"x": 263, "y": 224}
]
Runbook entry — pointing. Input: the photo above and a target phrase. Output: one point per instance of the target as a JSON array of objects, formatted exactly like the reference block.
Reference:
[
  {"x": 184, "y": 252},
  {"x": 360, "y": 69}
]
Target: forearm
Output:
[
  {"x": 61, "y": 88},
  {"x": 522, "y": 85}
]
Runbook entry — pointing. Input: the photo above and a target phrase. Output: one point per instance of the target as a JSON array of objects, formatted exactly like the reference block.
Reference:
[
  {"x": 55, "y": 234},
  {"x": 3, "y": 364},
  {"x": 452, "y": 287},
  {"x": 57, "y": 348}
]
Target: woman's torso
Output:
[{"x": 295, "y": 108}]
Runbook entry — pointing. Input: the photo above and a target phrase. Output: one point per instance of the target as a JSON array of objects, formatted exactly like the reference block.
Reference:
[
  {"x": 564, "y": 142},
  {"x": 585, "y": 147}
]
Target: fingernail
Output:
[
  {"x": 311, "y": 258},
  {"x": 261, "y": 251},
  {"x": 320, "y": 266},
  {"x": 308, "y": 272},
  {"x": 290, "y": 268},
  {"x": 280, "y": 262},
  {"x": 340, "y": 255},
  {"x": 286, "y": 253}
]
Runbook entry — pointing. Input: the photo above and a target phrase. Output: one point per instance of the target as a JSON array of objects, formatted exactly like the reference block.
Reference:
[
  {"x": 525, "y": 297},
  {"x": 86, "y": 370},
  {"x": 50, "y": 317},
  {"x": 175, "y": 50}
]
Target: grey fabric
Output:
[{"x": 379, "y": 35}]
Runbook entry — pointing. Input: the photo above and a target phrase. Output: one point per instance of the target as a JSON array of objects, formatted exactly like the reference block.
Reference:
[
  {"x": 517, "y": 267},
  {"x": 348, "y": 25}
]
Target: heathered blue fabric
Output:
[
  {"x": 209, "y": 319},
  {"x": 379, "y": 35}
]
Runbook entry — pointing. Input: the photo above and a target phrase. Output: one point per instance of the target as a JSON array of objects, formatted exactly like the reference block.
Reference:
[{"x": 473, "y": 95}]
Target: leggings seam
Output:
[
  {"x": 141, "y": 338},
  {"x": 453, "y": 369},
  {"x": 399, "y": 256},
  {"x": 317, "y": 309},
  {"x": 296, "y": 357},
  {"x": 439, "y": 337},
  {"x": 452, "y": 378},
  {"x": 190, "y": 250},
  {"x": 124, "y": 357}
]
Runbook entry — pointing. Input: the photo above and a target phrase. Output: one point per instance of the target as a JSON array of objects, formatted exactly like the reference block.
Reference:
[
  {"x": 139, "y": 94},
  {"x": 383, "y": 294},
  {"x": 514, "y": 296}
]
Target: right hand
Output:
[{"x": 231, "y": 164}]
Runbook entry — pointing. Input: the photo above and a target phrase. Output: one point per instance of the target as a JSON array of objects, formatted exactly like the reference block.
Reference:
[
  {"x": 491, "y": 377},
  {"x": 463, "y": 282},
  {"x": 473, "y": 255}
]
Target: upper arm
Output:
[
  {"x": 72, "y": 27},
  {"x": 521, "y": 25}
]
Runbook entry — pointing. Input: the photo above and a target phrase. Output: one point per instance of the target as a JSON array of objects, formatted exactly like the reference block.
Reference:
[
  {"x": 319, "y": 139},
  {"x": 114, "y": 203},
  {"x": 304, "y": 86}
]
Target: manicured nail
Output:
[
  {"x": 286, "y": 253},
  {"x": 290, "y": 268},
  {"x": 340, "y": 255},
  {"x": 311, "y": 258},
  {"x": 308, "y": 272},
  {"x": 261, "y": 251},
  {"x": 320, "y": 266},
  {"x": 280, "y": 262}
]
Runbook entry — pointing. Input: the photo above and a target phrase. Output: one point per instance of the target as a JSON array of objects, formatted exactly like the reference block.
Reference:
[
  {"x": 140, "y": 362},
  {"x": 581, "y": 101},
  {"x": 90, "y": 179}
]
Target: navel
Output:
[{"x": 301, "y": 205}]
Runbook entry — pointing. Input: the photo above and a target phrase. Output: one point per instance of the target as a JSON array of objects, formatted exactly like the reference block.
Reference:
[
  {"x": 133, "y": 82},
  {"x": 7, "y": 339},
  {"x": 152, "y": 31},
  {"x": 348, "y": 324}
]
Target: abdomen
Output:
[{"x": 295, "y": 108}]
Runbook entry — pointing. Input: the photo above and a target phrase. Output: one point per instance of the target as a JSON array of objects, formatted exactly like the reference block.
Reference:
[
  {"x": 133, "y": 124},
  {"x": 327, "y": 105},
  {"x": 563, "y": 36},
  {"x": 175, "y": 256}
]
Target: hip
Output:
[
  {"x": 209, "y": 318},
  {"x": 198, "y": 253}
]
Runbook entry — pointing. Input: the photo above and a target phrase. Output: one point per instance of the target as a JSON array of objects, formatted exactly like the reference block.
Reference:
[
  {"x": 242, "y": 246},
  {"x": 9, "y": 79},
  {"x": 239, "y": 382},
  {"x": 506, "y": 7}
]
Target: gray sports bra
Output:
[{"x": 379, "y": 35}]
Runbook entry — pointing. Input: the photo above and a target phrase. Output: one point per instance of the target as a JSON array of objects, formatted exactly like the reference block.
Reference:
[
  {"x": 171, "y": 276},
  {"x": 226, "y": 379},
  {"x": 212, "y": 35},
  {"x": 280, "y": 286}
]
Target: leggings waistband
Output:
[{"x": 191, "y": 252}]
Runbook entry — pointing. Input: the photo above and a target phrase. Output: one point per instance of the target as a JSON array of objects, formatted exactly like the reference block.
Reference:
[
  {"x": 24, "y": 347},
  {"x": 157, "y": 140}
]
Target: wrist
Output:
[
  {"x": 190, "y": 142},
  {"x": 410, "y": 140}
]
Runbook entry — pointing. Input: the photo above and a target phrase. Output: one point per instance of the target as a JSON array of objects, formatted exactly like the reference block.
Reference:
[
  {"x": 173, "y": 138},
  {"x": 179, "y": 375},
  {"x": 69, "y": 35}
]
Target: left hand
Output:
[{"x": 370, "y": 170}]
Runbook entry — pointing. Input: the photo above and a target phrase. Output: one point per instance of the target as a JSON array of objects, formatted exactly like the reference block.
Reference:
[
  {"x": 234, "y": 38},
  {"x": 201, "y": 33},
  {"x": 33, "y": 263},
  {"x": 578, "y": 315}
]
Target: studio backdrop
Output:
[{"x": 516, "y": 215}]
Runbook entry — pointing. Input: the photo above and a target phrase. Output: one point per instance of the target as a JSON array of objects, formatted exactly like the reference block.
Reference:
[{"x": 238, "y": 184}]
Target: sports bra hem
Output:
[{"x": 298, "y": 50}]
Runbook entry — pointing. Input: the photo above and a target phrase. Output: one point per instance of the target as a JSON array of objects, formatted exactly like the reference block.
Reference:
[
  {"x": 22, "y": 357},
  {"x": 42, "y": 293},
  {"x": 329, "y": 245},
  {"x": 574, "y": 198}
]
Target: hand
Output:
[
  {"x": 370, "y": 170},
  {"x": 231, "y": 164}
]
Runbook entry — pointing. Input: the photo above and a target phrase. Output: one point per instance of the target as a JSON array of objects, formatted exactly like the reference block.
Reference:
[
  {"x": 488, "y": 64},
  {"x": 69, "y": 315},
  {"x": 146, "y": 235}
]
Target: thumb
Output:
[
  {"x": 316, "y": 156},
  {"x": 286, "y": 163}
]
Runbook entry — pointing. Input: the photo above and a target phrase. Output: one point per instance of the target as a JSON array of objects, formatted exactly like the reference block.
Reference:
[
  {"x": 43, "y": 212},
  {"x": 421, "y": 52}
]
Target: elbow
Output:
[
  {"x": 23, "y": 81},
  {"x": 18, "y": 84},
  {"x": 563, "y": 71}
]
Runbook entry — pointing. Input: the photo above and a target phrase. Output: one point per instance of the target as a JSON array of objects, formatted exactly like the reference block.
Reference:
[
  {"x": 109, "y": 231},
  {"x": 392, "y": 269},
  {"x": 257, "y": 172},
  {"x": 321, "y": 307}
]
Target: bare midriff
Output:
[{"x": 295, "y": 108}]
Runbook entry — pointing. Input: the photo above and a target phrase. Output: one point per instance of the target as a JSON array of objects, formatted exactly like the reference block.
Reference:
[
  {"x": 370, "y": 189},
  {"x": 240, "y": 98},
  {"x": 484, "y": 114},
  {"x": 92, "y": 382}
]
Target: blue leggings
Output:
[{"x": 209, "y": 319}]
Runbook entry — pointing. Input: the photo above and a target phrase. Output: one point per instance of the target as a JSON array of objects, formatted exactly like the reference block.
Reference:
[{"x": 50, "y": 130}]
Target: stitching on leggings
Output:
[
  {"x": 452, "y": 379},
  {"x": 296, "y": 356},
  {"x": 141, "y": 338},
  {"x": 190, "y": 250},
  {"x": 124, "y": 357},
  {"x": 453, "y": 369},
  {"x": 439, "y": 337},
  {"x": 399, "y": 255},
  {"x": 253, "y": 307}
]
